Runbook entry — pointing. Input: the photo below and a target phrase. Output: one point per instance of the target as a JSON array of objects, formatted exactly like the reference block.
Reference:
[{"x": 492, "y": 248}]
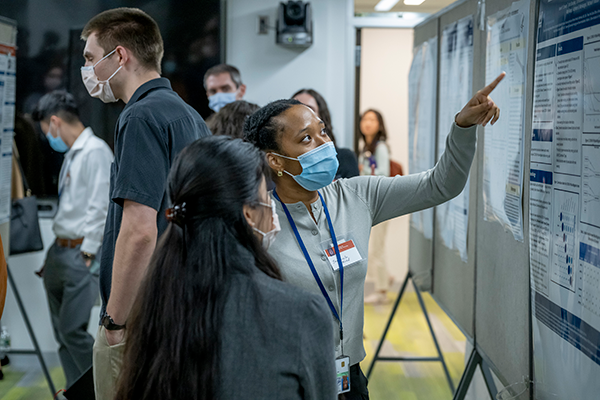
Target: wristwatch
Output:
[
  {"x": 109, "y": 324},
  {"x": 88, "y": 256}
]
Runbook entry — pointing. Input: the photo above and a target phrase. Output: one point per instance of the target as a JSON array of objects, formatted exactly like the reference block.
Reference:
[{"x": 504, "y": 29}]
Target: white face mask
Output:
[
  {"x": 97, "y": 88},
  {"x": 269, "y": 237}
]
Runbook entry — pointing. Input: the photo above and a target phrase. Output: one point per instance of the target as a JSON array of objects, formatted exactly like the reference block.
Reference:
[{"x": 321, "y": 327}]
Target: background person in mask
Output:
[
  {"x": 70, "y": 271},
  {"x": 190, "y": 336},
  {"x": 223, "y": 84},
  {"x": 122, "y": 54},
  {"x": 325, "y": 224}
]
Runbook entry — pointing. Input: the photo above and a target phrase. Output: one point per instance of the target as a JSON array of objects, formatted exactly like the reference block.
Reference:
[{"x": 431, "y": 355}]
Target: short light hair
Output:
[
  {"x": 233, "y": 72},
  {"x": 131, "y": 28}
]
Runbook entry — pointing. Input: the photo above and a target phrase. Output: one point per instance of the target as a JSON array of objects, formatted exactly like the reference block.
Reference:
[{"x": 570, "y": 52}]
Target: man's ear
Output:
[
  {"x": 56, "y": 121},
  {"x": 123, "y": 55},
  {"x": 241, "y": 92}
]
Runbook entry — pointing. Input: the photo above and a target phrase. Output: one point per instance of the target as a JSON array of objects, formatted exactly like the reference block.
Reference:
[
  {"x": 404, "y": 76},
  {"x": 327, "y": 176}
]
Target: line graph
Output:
[
  {"x": 591, "y": 185},
  {"x": 591, "y": 94}
]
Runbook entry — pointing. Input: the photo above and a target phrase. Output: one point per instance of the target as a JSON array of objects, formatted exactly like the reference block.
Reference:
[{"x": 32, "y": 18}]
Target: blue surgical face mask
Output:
[
  {"x": 319, "y": 167},
  {"x": 220, "y": 100},
  {"x": 56, "y": 143}
]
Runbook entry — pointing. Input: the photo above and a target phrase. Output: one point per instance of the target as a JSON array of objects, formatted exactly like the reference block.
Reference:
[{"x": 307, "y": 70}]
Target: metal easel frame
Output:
[
  {"x": 465, "y": 381},
  {"x": 440, "y": 356},
  {"x": 37, "y": 351}
]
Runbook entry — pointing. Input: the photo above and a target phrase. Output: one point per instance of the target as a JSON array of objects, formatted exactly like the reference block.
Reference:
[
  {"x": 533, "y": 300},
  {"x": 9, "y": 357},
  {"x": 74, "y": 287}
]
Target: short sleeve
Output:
[{"x": 143, "y": 164}]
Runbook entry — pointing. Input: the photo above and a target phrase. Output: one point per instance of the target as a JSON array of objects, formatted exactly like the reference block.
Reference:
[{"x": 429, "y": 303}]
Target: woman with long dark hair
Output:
[
  {"x": 212, "y": 319},
  {"x": 325, "y": 226},
  {"x": 346, "y": 157},
  {"x": 374, "y": 158}
]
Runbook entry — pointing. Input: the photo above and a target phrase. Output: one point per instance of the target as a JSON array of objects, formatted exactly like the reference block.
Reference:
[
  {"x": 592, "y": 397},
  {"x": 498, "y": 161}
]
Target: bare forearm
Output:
[{"x": 132, "y": 255}]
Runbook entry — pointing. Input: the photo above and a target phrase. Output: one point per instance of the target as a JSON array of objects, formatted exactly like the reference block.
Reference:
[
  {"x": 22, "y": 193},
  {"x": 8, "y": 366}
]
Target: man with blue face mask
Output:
[
  {"x": 223, "y": 84},
  {"x": 71, "y": 271}
]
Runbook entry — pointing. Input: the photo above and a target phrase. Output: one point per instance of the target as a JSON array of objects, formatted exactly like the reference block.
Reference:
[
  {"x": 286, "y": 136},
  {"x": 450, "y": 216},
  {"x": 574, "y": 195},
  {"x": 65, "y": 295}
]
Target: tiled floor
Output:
[{"x": 408, "y": 336}]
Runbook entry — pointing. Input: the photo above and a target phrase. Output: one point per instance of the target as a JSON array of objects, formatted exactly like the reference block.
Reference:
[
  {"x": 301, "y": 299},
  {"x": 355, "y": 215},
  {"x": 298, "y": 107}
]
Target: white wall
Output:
[
  {"x": 386, "y": 55},
  {"x": 272, "y": 72}
]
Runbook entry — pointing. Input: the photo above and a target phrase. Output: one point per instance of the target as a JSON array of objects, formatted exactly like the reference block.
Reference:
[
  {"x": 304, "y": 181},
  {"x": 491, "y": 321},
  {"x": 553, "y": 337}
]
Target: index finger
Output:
[{"x": 488, "y": 89}]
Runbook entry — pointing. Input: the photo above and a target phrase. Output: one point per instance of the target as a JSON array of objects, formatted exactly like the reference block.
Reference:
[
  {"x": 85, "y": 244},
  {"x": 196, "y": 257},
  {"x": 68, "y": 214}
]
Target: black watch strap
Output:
[{"x": 109, "y": 324}]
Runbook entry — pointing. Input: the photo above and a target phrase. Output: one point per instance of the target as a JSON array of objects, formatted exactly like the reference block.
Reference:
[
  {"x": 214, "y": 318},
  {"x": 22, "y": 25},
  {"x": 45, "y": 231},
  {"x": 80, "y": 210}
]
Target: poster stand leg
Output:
[
  {"x": 465, "y": 381},
  {"x": 439, "y": 358},
  {"x": 36, "y": 346}
]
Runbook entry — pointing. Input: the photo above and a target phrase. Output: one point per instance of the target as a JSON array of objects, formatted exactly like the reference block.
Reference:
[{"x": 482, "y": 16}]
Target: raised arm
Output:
[{"x": 388, "y": 198}]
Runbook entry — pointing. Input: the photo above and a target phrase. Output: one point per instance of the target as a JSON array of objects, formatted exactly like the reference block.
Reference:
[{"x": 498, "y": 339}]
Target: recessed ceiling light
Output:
[
  {"x": 413, "y": 2},
  {"x": 385, "y": 5}
]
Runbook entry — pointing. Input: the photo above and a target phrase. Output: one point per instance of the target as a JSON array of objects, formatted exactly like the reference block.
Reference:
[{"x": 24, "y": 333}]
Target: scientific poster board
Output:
[
  {"x": 502, "y": 304},
  {"x": 456, "y": 82},
  {"x": 506, "y": 50},
  {"x": 420, "y": 257},
  {"x": 453, "y": 278},
  {"x": 422, "y": 113},
  {"x": 8, "y": 69},
  {"x": 565, "y": 201}
]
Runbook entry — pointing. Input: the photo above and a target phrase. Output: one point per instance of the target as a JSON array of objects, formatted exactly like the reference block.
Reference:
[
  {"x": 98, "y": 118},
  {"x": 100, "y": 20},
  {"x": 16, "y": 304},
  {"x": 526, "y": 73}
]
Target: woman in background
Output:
[
  {"x": 229, "y": 121},
  {"x": 374, "y": 159},
  {"x": 212, "y": 319},
  {"x": 346, "y": 157}
]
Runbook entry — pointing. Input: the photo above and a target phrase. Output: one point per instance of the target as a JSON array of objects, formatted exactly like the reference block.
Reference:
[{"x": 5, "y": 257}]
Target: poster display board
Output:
[
  {"x": 8, "y": 69},
  {"x": 506, "y": 50},
  {"x": 565, "y": 201},
  {"x": 456, "y": 78},
  {"x": 422, "y": 95}
]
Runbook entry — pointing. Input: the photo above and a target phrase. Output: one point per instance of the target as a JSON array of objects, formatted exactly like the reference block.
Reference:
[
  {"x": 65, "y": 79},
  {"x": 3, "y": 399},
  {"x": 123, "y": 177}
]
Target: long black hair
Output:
[
  {"x": 381, "y": 134},
  {"x": 324, "y": 113},
  {"x": 172, "y": 343}
]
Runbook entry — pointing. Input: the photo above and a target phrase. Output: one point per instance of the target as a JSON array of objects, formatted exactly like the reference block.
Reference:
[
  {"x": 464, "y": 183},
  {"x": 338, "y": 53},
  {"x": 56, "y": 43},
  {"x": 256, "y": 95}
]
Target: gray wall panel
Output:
[
  {"x": 454, "y": 280},
  {"x": 420, "y": 257}
]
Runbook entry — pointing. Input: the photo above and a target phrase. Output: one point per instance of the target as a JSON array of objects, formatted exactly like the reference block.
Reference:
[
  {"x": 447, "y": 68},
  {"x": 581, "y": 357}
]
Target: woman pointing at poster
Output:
[{"x": 325, "y": 226}]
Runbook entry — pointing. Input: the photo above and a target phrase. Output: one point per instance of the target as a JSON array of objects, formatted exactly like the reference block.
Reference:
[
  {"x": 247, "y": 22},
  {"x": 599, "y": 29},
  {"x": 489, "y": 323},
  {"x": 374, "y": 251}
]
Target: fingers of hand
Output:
[
  {"x": 489, "y": 116},
  {"x": 488, "y": 89},
  {"x": 496, "y": 116}
]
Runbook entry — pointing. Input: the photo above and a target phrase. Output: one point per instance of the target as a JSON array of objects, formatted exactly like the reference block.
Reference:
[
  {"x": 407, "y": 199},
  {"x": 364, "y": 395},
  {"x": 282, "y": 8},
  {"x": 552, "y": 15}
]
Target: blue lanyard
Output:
[{"x": 312, "y": 266}]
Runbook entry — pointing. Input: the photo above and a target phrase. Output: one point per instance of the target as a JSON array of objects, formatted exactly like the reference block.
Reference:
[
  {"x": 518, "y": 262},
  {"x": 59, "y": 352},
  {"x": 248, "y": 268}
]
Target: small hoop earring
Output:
[{"x": 279, "y": 173}]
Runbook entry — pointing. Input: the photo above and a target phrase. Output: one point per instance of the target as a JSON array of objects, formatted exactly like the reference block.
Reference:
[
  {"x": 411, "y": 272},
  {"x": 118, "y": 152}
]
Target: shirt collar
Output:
[
  {"x": 81, "y": 140},
  {"x": 148, "y": 86}
]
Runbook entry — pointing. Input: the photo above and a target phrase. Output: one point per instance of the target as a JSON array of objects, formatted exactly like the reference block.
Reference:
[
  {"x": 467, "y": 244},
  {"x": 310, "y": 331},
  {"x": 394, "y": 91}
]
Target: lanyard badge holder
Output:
[{"x": 342, "y": 363}]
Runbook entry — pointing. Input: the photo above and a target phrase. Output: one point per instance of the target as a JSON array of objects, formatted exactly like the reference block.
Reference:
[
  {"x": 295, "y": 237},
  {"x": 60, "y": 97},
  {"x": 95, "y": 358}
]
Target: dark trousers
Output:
[
  {"x": 72, "y": 291},
  {"x": 358, "y": 385}
]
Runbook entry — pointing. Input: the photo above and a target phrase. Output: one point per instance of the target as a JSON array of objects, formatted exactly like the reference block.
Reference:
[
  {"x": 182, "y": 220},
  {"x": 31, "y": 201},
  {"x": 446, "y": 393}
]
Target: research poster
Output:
[
  {"x": 507, "y": 33},
  {"x": 422, "y": 94},
  {"x": 456, "y": 82},
  {"x": 565, "y": 201},
  {"x": 8, "y": 69}
]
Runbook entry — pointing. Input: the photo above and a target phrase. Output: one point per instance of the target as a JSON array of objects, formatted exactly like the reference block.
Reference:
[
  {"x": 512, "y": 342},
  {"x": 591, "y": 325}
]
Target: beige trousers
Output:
[
  {"x": 107, "y": 366},
  {"x": 377, "y": 270}
]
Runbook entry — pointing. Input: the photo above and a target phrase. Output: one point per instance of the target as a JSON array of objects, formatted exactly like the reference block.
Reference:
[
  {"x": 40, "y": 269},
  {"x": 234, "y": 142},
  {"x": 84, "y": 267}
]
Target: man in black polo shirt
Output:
[{"x": 122, "y": 62}]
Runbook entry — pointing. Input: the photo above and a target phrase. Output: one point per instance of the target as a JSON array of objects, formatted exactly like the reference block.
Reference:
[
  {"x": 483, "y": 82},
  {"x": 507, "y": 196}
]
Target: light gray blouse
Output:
[{"x": 355, "y": 205}]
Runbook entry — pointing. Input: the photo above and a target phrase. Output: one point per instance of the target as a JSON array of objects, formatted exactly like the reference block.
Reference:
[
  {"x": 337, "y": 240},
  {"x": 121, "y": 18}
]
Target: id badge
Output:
[
  {"x": 342, "y": 367},
  {"x": 348, "y": 253}
]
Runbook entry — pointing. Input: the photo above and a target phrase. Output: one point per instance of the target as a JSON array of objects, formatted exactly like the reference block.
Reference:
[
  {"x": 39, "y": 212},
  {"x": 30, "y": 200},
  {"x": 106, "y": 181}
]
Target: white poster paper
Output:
[
  {"x": 565, "y": 201},
  {"x": 8, "y": 69},
  {"x": 507, "y": 33},
  {"x": 456, "y": 82},
  {"x": 422, "y": 95}
]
